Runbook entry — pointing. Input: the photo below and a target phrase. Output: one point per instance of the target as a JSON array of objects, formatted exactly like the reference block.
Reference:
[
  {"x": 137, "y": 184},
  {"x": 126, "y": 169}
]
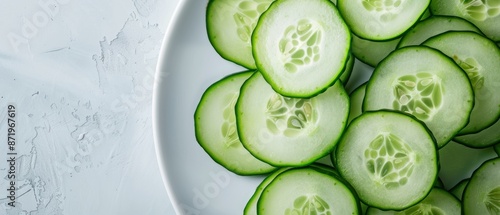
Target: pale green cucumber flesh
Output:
[
  {"x": 389, "y": 158},
  {"x": 433, "y": 26},
  {"x": 230, "y": 24},
  {"x": 286, "y": 131},
  {"x": 479, "y": 57},
  {"x": 482, "y": 193},
  {"x": 438, "y": 202},
  {"x": 376, "y": 20},
  {"x": 294, "y": 48},
  {"x": 307, "y": 191},
  {"x": 485, "y": 14},
  {"x": 215, "y": 127},
  {"x": 485, "y": 138},
  {"x": 438, "y": 92},
  {"x": 251, "y": 206}
]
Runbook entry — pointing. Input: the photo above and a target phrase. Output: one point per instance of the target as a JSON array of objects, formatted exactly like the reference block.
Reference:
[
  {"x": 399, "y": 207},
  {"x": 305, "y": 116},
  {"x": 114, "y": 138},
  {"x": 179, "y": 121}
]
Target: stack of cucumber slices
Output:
[{"x": 435, "y": 83}]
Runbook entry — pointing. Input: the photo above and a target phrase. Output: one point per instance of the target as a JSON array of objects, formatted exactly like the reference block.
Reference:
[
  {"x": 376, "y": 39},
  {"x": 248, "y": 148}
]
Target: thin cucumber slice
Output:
[
  {"x": 390, "y": 159},
  {"x": 230, "y": 24},
  {"x": 482, "y": 193},
  {"x": 479, "y": 57},
  {"x": 485, "y": 138},
  {"x": 425, "y": 83},
  {"x": 287, "y": 131},
  {"x": 433, "y": 26},
  {"x": 346, "y": 74},
  {"x": 215, "y": 127},
  {"x": 439, "y": 201},
  {"x": 307, "y": 191},
  {"x": 485, "y": 14},
  {"x": 381, "y": 20},
  {"x": 372, "y": 52},
  {"x": 356, "y": 100},
  {"x": 251, "y": 206},
  {"x": 301, "y": 46},
  {"x": 458, "y": 189}
]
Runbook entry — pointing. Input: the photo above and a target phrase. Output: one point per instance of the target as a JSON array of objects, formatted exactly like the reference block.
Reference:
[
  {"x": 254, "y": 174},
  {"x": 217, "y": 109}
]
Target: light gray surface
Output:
[{"x": 80, "y": 74}]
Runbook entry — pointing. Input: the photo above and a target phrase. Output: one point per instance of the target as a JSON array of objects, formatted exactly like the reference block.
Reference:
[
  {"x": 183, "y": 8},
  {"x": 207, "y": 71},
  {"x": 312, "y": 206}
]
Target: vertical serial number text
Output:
[{"x": 11, "y": 154}]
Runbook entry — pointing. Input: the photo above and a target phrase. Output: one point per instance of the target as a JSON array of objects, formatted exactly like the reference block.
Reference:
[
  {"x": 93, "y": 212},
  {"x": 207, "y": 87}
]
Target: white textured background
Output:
[{"x": 81, "y": 76}]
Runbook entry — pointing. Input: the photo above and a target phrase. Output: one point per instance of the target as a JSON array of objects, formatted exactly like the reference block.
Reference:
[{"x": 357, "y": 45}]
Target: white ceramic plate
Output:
[{"x": 187, "y": 66}]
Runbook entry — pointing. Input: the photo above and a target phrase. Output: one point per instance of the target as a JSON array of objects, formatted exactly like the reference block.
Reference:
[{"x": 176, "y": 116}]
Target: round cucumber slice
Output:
[
  {"x": 485, "y": 14},
  {"x": 485, "y": 138},
  {"x": 230, "y": 24},
  {"x": 286, "y": 131},
  {"x": 425, "y": 83},
  {"x": 479, "y": 57},
  {"x": 215, "y": 127},
  {"x": 482, "y": 193},
  {"x": 390, "y": 159},
  {"x": 346, "y": 74},
  {"x": 251, "y": 206},
  {"x": 301, "y": 46},
  {"x": 356, "y": 100},
  {"x": 307, "y": 191},
  {"x": 433, "y": 26},
  {"x": 381, "y": 20},
  {"x": 438, "y": 202}
]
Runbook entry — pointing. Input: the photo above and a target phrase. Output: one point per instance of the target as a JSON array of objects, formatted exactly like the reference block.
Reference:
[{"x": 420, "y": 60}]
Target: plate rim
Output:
[{"x": 160, "y": 70}]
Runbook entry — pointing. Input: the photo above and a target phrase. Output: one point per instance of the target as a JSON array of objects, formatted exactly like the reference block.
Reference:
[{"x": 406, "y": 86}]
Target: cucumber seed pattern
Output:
[
  {"x": 472, "y": 68},
  {"x": 422, "y": 209},
  {"x": 309, "y": 205},
  {"x": 492, "y": 201},
  {"x": 420, "y": 95},
  {"x": 300, "y": 44},
  {"x": 481, "y": 10},
  {"x": 289, "y": 115},
  {"x": 228, "y": 128},
  {"x": 390, "y": 160},
  {"x": 247, "y": 15},
  {"x": 387, "y": 8}
]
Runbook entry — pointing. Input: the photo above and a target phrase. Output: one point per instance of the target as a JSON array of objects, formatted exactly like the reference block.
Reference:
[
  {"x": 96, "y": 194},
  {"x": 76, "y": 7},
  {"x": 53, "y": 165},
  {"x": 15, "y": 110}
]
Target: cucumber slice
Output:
[
  {"x": 438, "y": 202},
  {"x": 433, "y": 26},
  {"x": 459, "y": 188},
  {"x": 381, "y": 20},
  {"x": 346, "y": 74},
  {"x": 425, "y": 83},
  {"x": 301, "y": 46},
  {"x": 307, "y": 191},
  {"x": 482, "y": 193},
  {"x": 251, "y": 206},
  {"x": 287, "y": 131},
  {"x": 485, "y": 138},
  {"x": 485, "y": 14},
  {"x": 389, "y": 158},
  {"x": 479, "y": 57},
  {"x": 215, "y": 127},
  {"x": 356, "y": 100},
  {"x": 230, "y": 24},
  {"x": 372, "y": 52}
]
